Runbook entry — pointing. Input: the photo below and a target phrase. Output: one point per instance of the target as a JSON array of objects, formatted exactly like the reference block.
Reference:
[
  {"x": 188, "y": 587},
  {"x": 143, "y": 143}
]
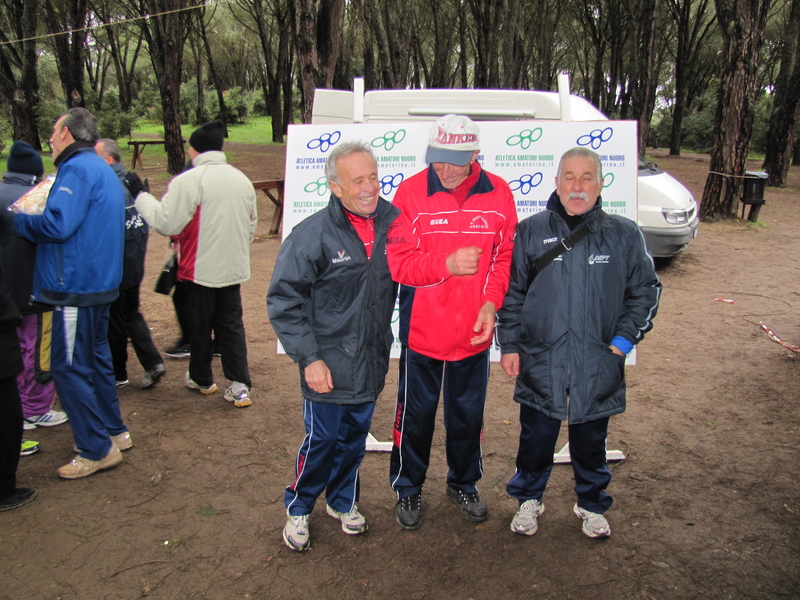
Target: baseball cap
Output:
[{"x": 454, "y": 139}]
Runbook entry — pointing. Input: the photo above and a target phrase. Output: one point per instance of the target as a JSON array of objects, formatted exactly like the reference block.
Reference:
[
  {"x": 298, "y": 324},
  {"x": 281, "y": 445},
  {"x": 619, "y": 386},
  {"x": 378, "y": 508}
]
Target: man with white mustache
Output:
[{"x": 566, "y": 324}]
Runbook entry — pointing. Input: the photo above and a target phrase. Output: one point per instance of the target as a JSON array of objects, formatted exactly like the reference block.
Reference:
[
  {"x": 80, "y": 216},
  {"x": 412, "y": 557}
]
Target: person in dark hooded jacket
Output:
[
  {"x": 564, "y": 334},
  {"x": 125, "y": 319},
  {"x": 17, "y": 258}
]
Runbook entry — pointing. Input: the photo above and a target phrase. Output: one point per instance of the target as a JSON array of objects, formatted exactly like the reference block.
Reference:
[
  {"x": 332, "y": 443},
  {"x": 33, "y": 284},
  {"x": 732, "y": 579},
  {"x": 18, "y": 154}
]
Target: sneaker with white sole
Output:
[
  {"x": 178, "y": 350},
  {"x": 152, "y": 376},
  {"x": 48, "y": 419},
  {"x": 29, "y": 447},
  {"x": 80, "y": 467},
  {"x": 295, "y": 533},
  {"x": 353, "y": 522},
  {"x": 210, "y": 389},
  {"x": 595, "y": 525},
  {"x": 121, "y": 383},
  {"x": 526, "y": 521},
  {"x": 240, "y": 399}
]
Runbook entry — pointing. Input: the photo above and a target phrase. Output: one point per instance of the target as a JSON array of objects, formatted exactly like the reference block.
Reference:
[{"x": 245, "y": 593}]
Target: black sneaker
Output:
[
  {"x": 409, "y": 511},
  {"x": 473, "y": 508},
  {"x": 19, "y": 497},
  {"x": 178, "y": 351}
]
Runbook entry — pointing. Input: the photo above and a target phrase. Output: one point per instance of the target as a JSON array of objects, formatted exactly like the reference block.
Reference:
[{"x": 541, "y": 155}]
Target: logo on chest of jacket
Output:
[
  {"x": 549, "y": 240},
  {"x": 343, "y": 257},
  {"x": 438, "y": 221},
  {"x": 478, "y": 223},
  {"x": 599, "y": 259}
]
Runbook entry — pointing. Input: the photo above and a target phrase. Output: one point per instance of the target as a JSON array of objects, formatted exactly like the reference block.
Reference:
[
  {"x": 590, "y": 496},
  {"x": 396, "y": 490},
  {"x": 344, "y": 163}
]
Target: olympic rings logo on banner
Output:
[
  {"x": 526, "y": 183},
  {"x": 320, "y": 187},
  {"x": 525, "y": 138},
  {"x": 389, "y": 182},
  {"x": 596, "y": 138},
  {"x": 608, "y": 179},
  {"x": 325, "y": 141},
  {"x": 389, "y": 139}
]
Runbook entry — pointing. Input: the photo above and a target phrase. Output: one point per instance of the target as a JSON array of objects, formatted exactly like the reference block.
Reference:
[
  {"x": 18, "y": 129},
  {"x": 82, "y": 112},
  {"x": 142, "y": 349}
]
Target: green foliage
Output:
[
  {"x": 258, "y": 130},
  {"x": 47, "y": 113},
  {"x": 111, "y": 121},
  {"x": 5, "y": 132},
  {"x": 148, "y": 104},
  {"x": 240, "y": 104}
]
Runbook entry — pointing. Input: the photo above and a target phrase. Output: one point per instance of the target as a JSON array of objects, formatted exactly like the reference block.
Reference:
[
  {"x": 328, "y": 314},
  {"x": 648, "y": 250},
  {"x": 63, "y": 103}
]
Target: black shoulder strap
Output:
[{"x": 565, "y": 245}]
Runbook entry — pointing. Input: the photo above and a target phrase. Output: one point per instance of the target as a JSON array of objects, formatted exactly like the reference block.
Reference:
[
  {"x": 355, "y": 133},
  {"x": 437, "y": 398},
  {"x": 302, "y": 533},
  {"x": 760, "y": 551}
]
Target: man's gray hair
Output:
[
  {"x": 580, "y": 151},
  {"x": 81, "y": 124},
  {"x": 111, "y": 148},
  {"x": 342, "y": 151}
]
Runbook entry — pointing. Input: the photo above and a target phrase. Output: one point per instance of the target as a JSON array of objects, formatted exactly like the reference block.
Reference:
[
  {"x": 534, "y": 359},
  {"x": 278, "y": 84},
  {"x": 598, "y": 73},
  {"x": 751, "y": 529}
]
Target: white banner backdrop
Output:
[{"x": 524, "y": 153}]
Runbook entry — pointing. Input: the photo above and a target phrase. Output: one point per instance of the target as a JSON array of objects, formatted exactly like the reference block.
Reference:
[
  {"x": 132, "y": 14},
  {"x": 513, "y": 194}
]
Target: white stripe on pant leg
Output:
[
  {"x": 307, "y": 407},
  {"x": 70, "y": 320}
]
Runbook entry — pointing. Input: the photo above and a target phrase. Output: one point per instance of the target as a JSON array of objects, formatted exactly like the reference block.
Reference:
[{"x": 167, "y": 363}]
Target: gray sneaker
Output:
[
  {"x": 472, "y": 507},
  {"x": 151, "y": 377},
  {"x": 295, "y": 533},
  {"x": 240, "y": 399},
  {"x": 526, "y": 521},
  {"x": 210, "y": 389},
  {"x": 408, "y": 511},
  {"x": 353, "y": 522},
  {"x": 595, "y": 525}
]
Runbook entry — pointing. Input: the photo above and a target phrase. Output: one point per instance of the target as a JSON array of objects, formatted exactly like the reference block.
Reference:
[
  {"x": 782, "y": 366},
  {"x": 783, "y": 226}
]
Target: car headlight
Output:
[{"x": 675, "y": 216}]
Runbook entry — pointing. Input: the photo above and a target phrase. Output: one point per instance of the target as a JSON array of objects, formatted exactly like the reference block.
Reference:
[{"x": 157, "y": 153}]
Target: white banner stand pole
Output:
[
  {"x": 374, "y": 445},
  {"x": 562, "y": 456}
]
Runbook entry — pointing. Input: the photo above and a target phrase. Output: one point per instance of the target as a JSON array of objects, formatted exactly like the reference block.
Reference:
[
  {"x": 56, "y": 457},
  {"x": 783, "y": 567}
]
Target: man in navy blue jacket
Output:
[
  {"x": 564, "y": 336},
  {"x": 80, "y": 237}
]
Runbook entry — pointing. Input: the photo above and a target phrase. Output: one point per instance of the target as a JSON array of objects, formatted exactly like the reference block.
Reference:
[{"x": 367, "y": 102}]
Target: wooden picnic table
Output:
[
  {"x": 268, "y": 187},
  {"x": 138, "y": 149}
]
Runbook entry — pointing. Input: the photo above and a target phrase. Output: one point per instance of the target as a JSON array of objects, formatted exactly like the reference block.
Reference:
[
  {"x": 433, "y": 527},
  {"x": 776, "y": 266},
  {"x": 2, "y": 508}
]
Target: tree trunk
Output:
[
  {"x": 68, "y": 47},
  {"x": 212, "y": 70},
  {"x": 742, "y": 24},
  {"x": 165, "y": 35},
  {"x": 785, "y": 106},
  {"x": 20, "y": 92}
]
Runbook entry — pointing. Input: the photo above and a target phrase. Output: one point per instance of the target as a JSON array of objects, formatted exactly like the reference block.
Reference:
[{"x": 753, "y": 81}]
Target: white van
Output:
[{"x": 667, "y": 211}]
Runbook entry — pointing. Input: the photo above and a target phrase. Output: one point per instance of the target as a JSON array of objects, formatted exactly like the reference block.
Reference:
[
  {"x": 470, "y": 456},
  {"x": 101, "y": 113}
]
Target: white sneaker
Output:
[
  {"x": 48, "y": 419},
  {"x": 295, "y": 533},
  {"x": 594, "y": 524},
  {"x": 526, "y": 522},
  {"x": 353, "y": 522}
]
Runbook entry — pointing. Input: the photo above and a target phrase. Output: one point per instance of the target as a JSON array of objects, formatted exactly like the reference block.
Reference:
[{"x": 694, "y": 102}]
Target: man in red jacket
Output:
[{"x": 450, "y": 250}]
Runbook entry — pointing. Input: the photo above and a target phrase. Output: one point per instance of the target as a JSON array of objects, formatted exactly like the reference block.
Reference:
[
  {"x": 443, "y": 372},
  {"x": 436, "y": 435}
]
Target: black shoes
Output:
[
  {"x": 19, "y": 497},
  {"x": 472, "y": 507},
  {"x": 409, "y": 511}
]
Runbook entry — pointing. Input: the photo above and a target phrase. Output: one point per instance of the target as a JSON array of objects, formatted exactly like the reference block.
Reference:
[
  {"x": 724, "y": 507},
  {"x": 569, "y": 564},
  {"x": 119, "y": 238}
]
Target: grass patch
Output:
[{"x": 257, "y": 131}]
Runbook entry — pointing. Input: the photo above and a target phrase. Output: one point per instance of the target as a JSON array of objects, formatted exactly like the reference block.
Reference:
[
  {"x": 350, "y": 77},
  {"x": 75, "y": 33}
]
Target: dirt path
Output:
[{"x": 707, "y": 502}]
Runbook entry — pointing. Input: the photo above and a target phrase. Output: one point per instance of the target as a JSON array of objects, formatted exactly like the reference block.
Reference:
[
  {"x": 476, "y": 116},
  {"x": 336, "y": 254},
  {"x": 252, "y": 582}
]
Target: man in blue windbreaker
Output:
[
  {"x": 80, "y": 237},
  {"x": 564, "y": 330}
]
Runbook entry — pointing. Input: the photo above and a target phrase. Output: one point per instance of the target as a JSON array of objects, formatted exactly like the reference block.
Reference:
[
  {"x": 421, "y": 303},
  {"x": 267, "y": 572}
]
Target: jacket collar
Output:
[
  {"x": 20, "y": 178},
  {"x": 118, "y": 169},
  {"x": 212, "y": 157},
  {"x": 590, "y": 218},
  {"x": 73, "y": 149},
  {"x": 482, "y": 186},
  {"x": 386, "y": 212}
]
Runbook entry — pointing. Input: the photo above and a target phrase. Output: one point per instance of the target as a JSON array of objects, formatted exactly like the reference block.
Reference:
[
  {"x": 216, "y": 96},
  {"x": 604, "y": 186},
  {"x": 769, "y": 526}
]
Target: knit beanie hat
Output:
[
  {"x": 22, "y": 158},
  {"x": 208, "y": 137}
]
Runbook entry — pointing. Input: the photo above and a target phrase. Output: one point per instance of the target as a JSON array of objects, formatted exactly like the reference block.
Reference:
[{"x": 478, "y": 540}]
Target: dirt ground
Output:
[{"x": 707, "y": 503}]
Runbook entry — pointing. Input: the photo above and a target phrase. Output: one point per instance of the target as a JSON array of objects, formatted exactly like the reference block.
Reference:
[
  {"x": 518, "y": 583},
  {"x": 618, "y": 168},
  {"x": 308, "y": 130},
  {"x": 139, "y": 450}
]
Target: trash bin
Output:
[{"x": 753, "y": 193}]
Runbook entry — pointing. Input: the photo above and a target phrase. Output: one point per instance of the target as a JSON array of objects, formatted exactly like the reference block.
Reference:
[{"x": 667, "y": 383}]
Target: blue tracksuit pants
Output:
[
  {"x": 329, "y": 456},
  {"x": 463, "y": 385},
  {"x": 84, "y": 377},
  {"x": 587, "y": 448}
]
